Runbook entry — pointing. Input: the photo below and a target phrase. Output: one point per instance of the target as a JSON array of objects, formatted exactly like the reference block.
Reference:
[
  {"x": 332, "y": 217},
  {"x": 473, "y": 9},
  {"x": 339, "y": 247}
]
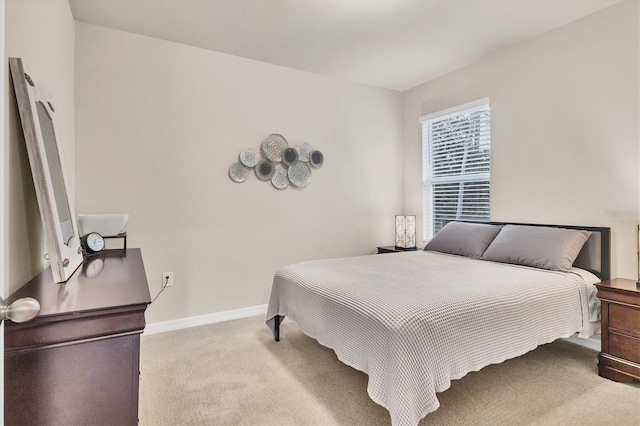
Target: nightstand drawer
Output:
[
  {"x": 624, "y": 318},
  {"x": 624, "y": 347}
]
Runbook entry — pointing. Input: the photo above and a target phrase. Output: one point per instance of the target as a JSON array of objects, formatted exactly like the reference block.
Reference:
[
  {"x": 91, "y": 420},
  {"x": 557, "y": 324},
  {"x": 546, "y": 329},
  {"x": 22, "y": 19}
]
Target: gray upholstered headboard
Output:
[{"x": 595, "y": 255}]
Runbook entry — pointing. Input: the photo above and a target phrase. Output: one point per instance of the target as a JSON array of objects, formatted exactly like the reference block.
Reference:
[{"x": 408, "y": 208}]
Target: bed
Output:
[{"x": 414, "y": 321}]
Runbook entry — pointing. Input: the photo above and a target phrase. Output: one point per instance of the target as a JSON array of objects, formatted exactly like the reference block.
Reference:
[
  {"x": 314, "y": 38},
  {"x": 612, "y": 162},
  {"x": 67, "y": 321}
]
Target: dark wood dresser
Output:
[
  {"x": 620, "y": 316},
  {"x": 77, "y": 362}
]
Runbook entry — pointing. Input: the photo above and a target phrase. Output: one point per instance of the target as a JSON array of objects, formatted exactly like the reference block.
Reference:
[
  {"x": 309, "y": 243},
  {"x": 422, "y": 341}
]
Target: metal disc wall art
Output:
[
  {"x": 299, "y": 174},
  {"x": 303, "y": 151},
  {"x": 289, "y": 156},
  {"x": 265, "y": 169},
  {"x": 249, "y": 157},
  {"x": 272, "y": 147},
  {"x": 279, "y": 179},
  {"x": 294, "y": 164},
  {"x": 238, "y": 172},
  {"x": 316, "y": 159}
]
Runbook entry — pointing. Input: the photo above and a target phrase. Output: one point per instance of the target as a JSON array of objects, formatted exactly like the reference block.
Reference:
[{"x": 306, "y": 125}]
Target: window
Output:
[{"x": 456, "y": 148}]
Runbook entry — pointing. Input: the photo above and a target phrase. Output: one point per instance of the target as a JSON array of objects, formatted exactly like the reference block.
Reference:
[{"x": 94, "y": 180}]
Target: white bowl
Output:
[{"x": 104, "y": 224}]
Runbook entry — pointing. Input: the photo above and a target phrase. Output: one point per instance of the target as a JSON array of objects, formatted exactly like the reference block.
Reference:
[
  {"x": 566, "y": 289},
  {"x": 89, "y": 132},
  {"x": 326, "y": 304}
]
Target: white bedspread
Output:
[{"x": 415, "y": 321}]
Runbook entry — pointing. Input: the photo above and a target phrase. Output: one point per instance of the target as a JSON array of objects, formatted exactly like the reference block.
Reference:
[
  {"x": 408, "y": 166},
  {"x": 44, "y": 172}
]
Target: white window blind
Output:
[{"x": 456, "y": 150}]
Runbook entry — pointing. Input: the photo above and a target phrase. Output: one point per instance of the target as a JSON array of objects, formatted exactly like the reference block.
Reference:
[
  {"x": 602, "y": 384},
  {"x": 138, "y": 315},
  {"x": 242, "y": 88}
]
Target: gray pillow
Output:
[
  {"x": 538, "y": 246},
  {"x": 464, "y": 239}
]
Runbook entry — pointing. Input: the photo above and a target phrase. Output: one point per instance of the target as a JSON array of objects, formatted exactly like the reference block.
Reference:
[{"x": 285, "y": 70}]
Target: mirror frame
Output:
[{"x": 64, "y": 259}]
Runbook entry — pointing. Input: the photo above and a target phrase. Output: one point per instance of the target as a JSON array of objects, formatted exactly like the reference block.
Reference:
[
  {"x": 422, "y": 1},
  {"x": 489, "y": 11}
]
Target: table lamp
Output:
[{"x": 405, "y": 232}]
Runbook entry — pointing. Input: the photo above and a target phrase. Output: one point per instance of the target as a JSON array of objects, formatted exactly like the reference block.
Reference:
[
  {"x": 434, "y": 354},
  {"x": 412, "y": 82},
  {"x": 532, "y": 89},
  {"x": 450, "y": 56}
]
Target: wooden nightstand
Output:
[
  {"x": 394, "y": 249},
  {"x": 620, "y": 316}
]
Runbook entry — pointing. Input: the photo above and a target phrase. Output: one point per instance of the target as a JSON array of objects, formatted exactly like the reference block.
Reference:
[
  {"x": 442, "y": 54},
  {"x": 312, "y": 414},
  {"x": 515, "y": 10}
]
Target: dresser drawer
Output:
[
  {"x": 624, "y": 318},
  {"x": 624, "y": 347}
]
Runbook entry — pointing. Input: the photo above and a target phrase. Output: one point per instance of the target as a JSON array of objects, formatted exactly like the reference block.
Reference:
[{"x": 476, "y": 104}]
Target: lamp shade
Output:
[{"x": 405, "y": 231}]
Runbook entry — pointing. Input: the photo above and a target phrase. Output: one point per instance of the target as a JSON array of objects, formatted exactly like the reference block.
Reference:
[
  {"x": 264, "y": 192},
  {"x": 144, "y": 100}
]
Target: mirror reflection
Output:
[{"x": 55, "y": 169}]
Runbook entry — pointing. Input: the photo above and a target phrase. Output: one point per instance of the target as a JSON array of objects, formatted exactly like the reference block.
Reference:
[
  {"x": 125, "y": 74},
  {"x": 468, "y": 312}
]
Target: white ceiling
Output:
[{"x": 394, "y": 44}]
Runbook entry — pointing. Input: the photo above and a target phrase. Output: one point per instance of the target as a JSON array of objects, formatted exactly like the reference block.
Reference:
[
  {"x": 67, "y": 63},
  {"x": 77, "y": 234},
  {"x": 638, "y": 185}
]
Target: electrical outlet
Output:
[{"x": 167, "y": 277}]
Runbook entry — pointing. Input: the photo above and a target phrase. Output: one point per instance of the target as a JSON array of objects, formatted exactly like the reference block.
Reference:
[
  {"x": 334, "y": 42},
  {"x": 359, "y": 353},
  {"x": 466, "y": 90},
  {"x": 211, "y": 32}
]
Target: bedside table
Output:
[
  {"x": 620, "y": 316},
  {"x": 394, "y": 249}
]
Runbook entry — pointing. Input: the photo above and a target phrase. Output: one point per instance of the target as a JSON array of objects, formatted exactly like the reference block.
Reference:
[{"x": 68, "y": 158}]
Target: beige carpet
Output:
[{"x": 234, "y": 373}]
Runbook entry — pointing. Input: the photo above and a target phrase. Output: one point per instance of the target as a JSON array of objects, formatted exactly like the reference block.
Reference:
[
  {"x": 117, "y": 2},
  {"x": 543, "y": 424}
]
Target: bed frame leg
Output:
[{"x": 277, "y": 328}]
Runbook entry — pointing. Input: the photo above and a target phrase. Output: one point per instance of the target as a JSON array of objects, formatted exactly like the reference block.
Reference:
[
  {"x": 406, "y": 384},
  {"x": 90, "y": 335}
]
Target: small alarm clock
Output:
[{"x": 92, "y": 243}]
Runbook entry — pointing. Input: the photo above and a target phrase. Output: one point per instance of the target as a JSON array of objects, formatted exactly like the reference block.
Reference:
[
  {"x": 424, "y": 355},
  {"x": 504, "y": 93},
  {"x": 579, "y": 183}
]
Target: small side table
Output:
[
  {"x": 620, "y": 316},
  {"x": 394, "y": 249}
]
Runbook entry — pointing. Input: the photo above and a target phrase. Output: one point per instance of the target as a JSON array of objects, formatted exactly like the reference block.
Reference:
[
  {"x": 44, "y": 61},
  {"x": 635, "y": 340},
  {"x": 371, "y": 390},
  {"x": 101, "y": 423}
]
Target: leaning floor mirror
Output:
[{"x": 37, "y": 113}]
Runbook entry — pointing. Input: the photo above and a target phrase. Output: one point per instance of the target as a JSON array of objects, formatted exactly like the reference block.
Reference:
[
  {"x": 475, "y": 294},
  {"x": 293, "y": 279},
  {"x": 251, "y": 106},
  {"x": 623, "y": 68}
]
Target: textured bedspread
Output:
[{"x": 415, "y": 321}]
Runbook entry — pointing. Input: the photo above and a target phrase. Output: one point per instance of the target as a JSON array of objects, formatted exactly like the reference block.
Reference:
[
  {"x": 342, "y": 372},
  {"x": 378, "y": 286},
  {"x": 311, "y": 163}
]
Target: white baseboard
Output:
[
  {"x": 592, "y": 342},
  {"x": 161, "y": 327}
]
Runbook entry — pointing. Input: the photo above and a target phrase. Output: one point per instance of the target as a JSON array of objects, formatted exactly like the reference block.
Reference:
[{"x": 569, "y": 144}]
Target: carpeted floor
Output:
[{"x": 233, "y": 373}]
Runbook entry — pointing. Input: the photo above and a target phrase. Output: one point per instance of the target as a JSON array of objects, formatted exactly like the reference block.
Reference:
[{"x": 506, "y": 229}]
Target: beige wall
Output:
[
  {"x": 565, "y": 127},
  {"x": 41, "y": 32},
  {"x": 159, "y": 124}
]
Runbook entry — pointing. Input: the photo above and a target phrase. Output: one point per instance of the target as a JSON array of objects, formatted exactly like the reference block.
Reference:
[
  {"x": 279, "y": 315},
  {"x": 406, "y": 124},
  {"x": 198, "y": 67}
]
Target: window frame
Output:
[{"x": 426, "y": 122}]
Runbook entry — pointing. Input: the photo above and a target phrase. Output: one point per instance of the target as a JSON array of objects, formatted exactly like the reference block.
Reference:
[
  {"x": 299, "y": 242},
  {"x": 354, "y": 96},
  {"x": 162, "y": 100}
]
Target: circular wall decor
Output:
[
  {"x": 249, "y": 157},
  {"x": 316, "y": 159},
  {"x": 299, "y": 174},
  {"x": 279, "y": 179},
  {"x": 272, "y": 147},
  {"x": 264, "y": 170},
  {"x": 289, "y": 156},
  {"x": 303, "y": 151},
  {"x": 238, "y": 172},
  {"x": 275, "y": 161}
]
